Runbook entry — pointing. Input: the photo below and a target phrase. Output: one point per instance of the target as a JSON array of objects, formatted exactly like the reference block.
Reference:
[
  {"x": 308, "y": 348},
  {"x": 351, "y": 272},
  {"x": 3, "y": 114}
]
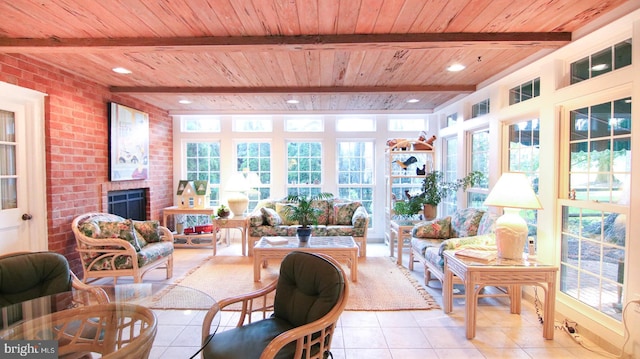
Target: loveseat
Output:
[
  {"x": 111, "y": 246},
  {"x": 339, "y": 217},
  {"x": 466, "y": 228}
]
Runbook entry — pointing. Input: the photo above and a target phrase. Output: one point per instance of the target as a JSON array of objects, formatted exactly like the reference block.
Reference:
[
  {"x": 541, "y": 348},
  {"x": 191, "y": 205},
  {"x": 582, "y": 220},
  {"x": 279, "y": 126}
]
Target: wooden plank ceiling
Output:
[{"x": 253, "y": 55}]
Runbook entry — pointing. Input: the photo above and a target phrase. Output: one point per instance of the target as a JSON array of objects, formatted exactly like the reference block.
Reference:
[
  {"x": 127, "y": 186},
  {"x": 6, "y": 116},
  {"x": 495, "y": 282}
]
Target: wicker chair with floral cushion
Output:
[
  {"x": 297, "y": 322},
  {"x": 111, "y": 246}
]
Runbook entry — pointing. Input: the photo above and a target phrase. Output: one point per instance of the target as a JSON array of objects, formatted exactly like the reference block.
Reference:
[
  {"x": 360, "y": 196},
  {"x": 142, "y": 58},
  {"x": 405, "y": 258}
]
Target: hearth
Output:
[{"x": 130, "y": 203}]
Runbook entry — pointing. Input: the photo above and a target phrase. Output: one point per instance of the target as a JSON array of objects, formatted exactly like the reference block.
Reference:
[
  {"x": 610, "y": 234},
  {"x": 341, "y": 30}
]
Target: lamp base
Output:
[
  {"x": 238, "y": 204},
  {"x": 511, "y": 234}
]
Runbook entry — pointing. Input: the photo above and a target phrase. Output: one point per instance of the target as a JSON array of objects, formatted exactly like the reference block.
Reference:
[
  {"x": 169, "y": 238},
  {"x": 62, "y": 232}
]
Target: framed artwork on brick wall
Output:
[{"x": 128, "y": 143}]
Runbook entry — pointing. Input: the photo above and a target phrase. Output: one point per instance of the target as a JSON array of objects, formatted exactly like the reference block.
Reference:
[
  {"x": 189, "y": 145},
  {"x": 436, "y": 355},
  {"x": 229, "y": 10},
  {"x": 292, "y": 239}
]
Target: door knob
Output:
[{"x": 26, "y": 217}]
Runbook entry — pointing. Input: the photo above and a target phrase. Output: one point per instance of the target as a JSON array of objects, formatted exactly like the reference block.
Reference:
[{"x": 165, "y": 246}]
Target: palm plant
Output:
[{"x": 303, "y": 212}]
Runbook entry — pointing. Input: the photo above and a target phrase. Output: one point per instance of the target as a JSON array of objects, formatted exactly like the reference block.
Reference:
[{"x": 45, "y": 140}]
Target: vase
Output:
[
  {"x": 304, "y": 234},
  {"x": 429, "y": 211}
]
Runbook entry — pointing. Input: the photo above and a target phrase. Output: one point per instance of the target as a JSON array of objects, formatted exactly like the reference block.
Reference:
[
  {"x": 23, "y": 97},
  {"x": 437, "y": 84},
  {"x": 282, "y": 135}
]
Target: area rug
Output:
[{"x": 382, "y": 285}]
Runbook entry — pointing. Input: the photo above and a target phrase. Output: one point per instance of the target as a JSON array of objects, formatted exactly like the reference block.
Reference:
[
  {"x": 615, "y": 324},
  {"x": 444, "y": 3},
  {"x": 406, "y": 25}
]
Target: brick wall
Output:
[{"x": 76, "y": 131}]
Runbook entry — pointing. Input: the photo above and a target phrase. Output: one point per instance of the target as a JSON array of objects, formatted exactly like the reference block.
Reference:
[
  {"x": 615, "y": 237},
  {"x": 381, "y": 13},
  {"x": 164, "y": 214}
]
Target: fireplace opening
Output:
[{"x": 130, "y": 203}]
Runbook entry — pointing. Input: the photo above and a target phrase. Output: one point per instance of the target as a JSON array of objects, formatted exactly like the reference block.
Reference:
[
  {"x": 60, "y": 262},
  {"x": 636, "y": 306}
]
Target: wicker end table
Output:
[{"x": 340, "y": 248}]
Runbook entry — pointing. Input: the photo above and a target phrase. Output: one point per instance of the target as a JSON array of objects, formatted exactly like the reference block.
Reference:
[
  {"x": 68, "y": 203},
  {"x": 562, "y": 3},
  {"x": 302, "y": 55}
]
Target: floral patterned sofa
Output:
[
  {"x": 466, "y": 228},
  {"x": 111, "y": 246},
  {"x": 339, "y": 217}
]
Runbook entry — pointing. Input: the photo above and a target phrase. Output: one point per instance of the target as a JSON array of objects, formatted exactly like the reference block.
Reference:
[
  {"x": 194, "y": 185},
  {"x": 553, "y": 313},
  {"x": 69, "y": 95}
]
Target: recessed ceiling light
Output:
[
  {"x": 121, "y": 70},
  {"x": 293, "y": 102},
  {"x": 413, "y": 100},
  {"x": 456, "y": 68},
  {"x": 599, "y": 67},
  {"x": 184, "y": 102}
]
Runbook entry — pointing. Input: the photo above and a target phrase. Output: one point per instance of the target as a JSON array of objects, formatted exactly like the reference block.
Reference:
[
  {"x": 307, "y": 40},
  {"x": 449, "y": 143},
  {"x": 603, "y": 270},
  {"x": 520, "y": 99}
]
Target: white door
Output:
[{"x": 22, "y": 172}]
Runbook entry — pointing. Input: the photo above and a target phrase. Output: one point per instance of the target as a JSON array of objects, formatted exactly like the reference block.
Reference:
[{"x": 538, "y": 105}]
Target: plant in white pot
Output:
[{"x": 302, "y": 211}]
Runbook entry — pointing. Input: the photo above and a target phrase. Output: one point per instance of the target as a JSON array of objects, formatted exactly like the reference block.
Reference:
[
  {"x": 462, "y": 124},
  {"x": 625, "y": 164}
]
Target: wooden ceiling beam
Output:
[
  {"x": 467, "y": 40},
  {"x": 289, "y": 90}
]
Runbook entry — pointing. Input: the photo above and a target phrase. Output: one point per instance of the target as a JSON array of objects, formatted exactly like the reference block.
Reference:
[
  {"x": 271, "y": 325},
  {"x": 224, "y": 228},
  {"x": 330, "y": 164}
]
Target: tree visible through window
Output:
[
  {"x": 254, "y": 159},
  {"x": 450, "y": 169},
  {"x": 304, "y": 168},
  {"x": 203, "y": 164},
  {"x": 594, "y": 216},
  {"x": 524, "y": 149},
  {"x": 479, "y": 148},
  {"x": 355, "y": 172}
]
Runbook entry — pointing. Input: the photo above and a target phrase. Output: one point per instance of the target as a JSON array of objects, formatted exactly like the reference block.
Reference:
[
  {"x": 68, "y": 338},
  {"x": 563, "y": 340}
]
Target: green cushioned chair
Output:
[
  {"x": 29, "y": 275},
  {"x": 310, "y": 294}
]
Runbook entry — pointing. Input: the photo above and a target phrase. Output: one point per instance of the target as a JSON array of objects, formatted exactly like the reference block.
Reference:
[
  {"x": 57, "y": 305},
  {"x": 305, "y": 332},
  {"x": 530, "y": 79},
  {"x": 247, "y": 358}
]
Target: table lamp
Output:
[
  {"x": 513, "y": 192},
  {"x": 253, "y": 181},
  {"x": 237, "y": 198}
]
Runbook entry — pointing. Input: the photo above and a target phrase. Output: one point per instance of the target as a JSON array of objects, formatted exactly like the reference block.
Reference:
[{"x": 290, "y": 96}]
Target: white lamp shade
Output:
[
  {"x": 513, "y": 190},
  {"x": 237, "y": 183}
]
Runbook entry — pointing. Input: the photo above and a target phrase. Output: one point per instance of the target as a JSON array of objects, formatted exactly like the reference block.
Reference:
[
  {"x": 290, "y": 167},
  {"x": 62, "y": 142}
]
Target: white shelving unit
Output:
[{"x": 399, "y": 179}]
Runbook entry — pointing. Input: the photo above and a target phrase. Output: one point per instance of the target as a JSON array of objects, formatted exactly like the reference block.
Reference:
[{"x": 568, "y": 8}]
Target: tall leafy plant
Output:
[
  {"x": 303, "y": 210},
  {"x": 435, "y": 189}
]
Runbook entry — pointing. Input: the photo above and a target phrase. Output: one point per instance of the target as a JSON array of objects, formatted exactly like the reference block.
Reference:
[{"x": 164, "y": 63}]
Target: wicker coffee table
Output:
[{"x": 340, "y": 248}]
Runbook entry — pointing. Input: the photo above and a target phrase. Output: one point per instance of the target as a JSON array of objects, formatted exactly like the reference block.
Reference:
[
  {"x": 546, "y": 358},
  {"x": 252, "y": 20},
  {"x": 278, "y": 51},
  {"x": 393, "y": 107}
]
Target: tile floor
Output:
[{"x": 389, "y": 335}]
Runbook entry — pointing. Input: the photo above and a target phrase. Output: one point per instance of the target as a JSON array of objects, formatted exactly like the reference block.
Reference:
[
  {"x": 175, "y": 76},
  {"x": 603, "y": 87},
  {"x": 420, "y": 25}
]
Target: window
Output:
[
  {"x": 594, "y": 217},
  {"x": 252, "y": 123},
  {"x": 304, "y": 168},
  {"x": 524, "y": 91},
  {"x": 203, "y": 163},
  {"x": 479, "y": 162},
  {"x": 355, "y": 124},
  {"x": 450, "y": 169},
  {"x": 407, "y": 123},
  {"x": 524, "y": 149},
  {"x": 602, "y": 62},
  {"x": 303, "y": 123},
  {"x": 355, "y": 172},
  {"x": 452, "y": 119},
  {"x": 479, "y": 109},
  {"x": 254, "y": 159},
  {"x": 200, "y": 124}
]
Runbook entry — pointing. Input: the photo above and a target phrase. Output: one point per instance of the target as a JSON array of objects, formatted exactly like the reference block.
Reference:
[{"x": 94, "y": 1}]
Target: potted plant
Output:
[
  {"x": 435, "y": 189},
  {"x": 223, "y": 211},
  {"x": 303, "y": 212},
  {"x": 408, "y": 208}
]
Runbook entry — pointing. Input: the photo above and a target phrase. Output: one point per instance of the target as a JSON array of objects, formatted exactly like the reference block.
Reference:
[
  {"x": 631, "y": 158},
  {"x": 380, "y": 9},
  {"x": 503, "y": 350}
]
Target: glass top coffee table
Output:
[{"x": 341, "y": 248}]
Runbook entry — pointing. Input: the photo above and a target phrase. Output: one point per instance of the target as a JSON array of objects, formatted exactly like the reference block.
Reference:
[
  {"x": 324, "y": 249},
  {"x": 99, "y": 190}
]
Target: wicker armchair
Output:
[
  {"x": 298, "y": 322},
  {"x": 29, "y": 275},
  {"x": 117, "y": 331},
  {"x": 111, "y": 246}
]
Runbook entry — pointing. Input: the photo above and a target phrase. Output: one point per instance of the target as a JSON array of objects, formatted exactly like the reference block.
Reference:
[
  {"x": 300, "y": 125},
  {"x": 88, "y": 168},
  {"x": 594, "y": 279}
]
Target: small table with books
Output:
[
  {"x": 477, "y": 273},
  {"x": 341, "y": 248}
]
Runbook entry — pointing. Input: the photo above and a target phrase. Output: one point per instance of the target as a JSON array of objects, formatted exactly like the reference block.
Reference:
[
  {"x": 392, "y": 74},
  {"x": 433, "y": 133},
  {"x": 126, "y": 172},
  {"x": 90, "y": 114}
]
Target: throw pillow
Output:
[
  {"x": 439, "y": 228},
  {"x": 89, "y": 229},
  {"x": 281, "y": 212},
  {"x": 148, "y": 230},
  {"x": 271, "y": 216},
  {"x": 325, "y": 207},
  {"x": 343, "y": 212},
  {"x": 465, "y": 222},
  {"x": 123, "y": 230}
]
